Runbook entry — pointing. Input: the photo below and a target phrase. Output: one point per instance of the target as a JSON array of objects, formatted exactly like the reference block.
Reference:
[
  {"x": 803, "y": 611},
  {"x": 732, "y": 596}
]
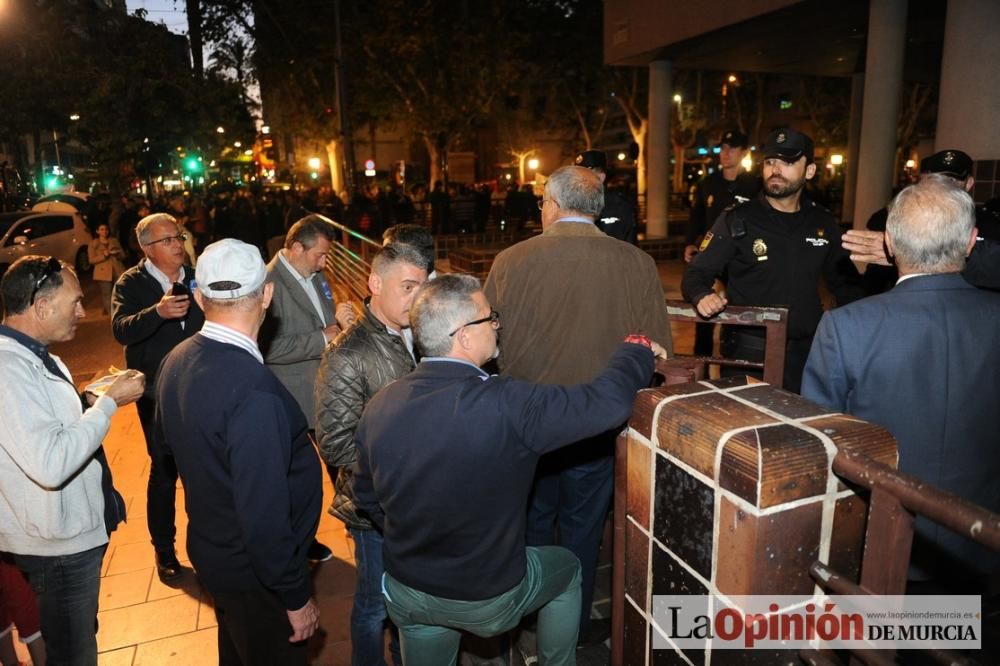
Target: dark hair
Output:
[
  {"x": 24, "y": 275},
  {"x": 308, "y": 229},
  {"x": 394, "y": 253},
  {"x": 415, "y": 235}
]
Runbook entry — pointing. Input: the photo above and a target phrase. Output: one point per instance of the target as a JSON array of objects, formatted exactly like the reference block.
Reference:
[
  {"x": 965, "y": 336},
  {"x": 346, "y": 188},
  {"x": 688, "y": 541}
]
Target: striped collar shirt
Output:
[{"x": 226, "y": 335}]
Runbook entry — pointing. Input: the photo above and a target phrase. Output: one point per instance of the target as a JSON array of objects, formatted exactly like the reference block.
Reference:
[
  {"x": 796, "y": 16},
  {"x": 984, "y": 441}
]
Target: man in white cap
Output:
[{"x": 251, "y": 476}]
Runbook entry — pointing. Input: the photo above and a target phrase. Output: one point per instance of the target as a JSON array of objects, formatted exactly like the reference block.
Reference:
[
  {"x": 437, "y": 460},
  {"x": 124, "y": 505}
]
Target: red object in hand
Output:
[{"x": 637, "y": 339}]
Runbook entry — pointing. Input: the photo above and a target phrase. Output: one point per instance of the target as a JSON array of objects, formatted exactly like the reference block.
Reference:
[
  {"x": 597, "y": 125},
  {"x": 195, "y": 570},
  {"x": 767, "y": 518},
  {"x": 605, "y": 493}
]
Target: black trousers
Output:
[
  {"x": 749, "y": 346},
  {"x": 161, "y": 493},
  {"x": 254, "y": 630}
]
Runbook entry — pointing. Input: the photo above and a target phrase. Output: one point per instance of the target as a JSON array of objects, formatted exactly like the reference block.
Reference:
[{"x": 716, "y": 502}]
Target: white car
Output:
[{"x": 52, "y": 229}]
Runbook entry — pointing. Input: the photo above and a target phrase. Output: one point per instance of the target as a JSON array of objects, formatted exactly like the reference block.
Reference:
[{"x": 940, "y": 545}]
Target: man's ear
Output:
[
  {"x": 199, "y": 298},
  {"x": 375, "y": 284},
  {"x": 889, "y": 249},
  {"x": 972, "y": 241},
  {"x": 810, "y": 171},
  {"x": 268, "y": 294}
]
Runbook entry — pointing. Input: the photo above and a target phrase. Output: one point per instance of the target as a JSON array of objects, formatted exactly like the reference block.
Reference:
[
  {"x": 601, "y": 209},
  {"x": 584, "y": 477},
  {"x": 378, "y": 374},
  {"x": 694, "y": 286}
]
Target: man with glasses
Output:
[
  {"x": 568, "y": 297},
  {"x": 453, "y": 513},
  {"x": 152, "y": 312},
  {"x": 373, "y": 352},
  {"x": 57, "y": 502}
]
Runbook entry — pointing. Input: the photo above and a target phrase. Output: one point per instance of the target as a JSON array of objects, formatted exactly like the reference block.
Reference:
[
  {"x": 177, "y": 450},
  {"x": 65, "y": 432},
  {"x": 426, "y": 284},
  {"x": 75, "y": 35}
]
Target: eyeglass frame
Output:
[
  {"x": 180, "y": 238},
  {"x": 541, "y": 203},
  {"x": 494, "y": 320},
  {"x": 52, "y": 266}
]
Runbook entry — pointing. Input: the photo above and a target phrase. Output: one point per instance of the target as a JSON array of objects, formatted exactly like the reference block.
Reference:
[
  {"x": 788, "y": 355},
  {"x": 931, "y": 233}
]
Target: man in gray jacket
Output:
[
  {"x": 302, "y": 319},
  {"x": 58, "y": 504},
  {"x": 373, "y": 352}
]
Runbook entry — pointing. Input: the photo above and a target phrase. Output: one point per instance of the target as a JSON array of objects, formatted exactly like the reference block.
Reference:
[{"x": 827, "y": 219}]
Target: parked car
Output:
[{"x": 50, "y": 229}]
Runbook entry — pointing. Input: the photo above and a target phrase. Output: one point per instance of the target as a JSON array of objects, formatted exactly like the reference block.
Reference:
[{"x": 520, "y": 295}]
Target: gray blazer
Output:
[{"x": 291, "y": 338}]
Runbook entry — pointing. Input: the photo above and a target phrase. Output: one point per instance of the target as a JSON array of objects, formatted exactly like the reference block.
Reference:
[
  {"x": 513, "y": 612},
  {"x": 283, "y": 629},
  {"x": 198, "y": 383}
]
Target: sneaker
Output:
[{"x": 318, "y": 552}]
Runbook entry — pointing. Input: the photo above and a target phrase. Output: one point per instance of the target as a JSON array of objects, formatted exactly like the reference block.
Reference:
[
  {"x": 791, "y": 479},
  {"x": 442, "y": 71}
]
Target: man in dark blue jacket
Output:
[
  {"x": 251, "y": 476},
  {"x": 446, "y": 457}
]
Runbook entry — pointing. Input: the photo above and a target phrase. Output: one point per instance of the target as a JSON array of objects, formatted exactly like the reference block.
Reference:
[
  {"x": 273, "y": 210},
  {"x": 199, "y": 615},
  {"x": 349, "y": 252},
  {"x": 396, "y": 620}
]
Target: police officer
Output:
[
  {"x": 775, "y": 248},
  {"x": 957, "y": 165},
  {"x": 617, "y": 218},
  {"x": 719, "y": 190}
]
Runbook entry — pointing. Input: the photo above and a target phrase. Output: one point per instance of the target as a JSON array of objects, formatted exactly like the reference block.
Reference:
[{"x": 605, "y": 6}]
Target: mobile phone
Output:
[{"x": 179, "y": 290}]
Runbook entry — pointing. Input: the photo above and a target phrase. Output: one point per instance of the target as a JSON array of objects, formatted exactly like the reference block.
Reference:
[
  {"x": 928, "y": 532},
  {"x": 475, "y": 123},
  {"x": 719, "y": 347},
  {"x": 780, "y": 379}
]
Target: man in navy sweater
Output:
[
  {"x": 251, "y": 477},
  {"x": 446, "y": 457}
]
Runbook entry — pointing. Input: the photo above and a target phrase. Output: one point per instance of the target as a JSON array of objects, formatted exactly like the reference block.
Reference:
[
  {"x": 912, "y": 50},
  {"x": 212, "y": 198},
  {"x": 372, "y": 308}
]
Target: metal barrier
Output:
[
  {"x": 773, "y": 320},
  {"x": 896, "y": 500}
]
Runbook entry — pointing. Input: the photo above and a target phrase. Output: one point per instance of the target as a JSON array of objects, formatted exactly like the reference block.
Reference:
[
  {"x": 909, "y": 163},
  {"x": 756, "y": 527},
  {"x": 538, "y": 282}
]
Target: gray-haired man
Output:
[{"x": 453, "y": 516}]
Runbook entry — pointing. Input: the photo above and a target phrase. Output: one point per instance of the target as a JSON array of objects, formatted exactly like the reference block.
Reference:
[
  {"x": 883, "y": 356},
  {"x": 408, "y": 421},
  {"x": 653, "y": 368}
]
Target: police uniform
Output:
[
  {"x": 773, "y": 259},
  {"x": 713, "y": 195},
  {"x": 617, "y": 218}
]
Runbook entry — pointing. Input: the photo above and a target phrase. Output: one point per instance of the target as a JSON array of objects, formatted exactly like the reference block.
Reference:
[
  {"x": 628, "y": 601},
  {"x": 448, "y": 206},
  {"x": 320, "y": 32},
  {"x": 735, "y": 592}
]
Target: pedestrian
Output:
[
  {"x": 366, "y": 357},
  {"x": 302, "y": 319},
  {"x": 453, "y": 515},
  {"x": 617, "y": 218},
  {"x": 923, "y": 361},
  {"x": 152, "y": 312},
  {"x": 251, "y": 477},
  {"x": 59, "y": 503},
  {"x": 105, "y": 255},
  {"x": 775, "y": 248},
  {"x": 568, "y": 297}
]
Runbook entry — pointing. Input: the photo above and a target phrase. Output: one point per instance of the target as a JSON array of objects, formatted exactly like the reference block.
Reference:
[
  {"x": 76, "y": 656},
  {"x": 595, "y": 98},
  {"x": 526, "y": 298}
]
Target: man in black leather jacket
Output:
[{"x": 374, "y": 351}]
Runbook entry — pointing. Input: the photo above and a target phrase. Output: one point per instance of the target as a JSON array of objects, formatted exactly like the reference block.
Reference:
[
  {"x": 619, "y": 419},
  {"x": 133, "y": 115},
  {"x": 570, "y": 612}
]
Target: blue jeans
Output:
[
  {"x": 67, "y": 588},
  {"x": 368, "y": 615},
  {"x": 573, "y": 489}
]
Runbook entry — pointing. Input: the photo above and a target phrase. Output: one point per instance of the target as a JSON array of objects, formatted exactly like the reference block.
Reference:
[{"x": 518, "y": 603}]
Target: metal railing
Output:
[
  {"x": 896, "y": 500},
  {"x": 773, "y": 320},
  {"x": 349, "y": 262}
]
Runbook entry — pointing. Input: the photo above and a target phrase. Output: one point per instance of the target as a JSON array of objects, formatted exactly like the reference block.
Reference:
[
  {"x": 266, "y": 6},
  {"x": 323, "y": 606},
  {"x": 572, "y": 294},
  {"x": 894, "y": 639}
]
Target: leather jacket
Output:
[{"x": 359, "y": 362}]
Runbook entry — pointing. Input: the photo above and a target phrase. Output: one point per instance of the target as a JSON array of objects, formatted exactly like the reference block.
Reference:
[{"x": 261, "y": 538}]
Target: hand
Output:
[
  {"x": 865, "y": 246},
  {"x": 107, "y": 254},
  {"x": 331, "y": 331},
  {"x": 711, "y": 305},
  {"x": 304, "y": 621},
  {"x": 689, "y": 252},
  {"x": 658, "y": 350},
  {"x": 345, "y": 314},
  {"x": 127, "y": 387},
  {"x": 173, "y": 307}
]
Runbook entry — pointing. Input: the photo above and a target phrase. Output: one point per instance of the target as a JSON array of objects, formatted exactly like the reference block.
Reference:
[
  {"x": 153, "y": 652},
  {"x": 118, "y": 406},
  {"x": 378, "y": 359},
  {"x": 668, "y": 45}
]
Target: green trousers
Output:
[{"x": 430, "y": 627}]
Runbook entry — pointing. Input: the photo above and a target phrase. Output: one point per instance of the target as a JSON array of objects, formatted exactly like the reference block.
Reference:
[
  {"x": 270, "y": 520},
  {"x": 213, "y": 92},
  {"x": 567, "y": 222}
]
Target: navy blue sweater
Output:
[
  {"x": 252, "y": 480},
  {"x": 446, "y": 457}
]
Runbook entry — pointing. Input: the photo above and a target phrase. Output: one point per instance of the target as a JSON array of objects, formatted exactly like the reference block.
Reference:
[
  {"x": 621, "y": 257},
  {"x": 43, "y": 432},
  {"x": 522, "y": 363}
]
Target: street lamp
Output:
[
  {"x": 74, "y": 116},
  {"x": 314, "y": 163},
  {"x": 220, "y": 129},
  {"x": 836, "y": 159},
  {"x": 621, "y": 157},
  {"x": 533, "y": 164},
  {"x": 237, "y": 144}
]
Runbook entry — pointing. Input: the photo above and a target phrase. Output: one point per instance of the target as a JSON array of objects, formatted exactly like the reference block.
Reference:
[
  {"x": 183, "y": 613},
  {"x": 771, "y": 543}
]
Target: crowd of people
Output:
[{"x": 474, "y": 500}]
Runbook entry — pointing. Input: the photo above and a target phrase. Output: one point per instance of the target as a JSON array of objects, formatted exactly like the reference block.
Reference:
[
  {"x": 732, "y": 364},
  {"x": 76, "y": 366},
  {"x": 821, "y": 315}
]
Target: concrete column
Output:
[
  {"x": 883, "y": 87},
  {"x": 853, "y": 146},
  {"x": 661, "y": 97},
  {"x": 969, "y": 107}
]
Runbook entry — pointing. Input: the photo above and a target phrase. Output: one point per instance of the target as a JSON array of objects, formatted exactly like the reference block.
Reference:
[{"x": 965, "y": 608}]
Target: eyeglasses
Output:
[
  {"x": 52, "y": 266},
  {"x": 169, "y": 240},
  {"x": 494, "y": 320}
]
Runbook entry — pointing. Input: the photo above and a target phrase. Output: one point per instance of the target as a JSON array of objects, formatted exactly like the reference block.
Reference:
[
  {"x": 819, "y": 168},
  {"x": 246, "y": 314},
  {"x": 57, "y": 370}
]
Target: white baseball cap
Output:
[{"x": 229, "y": 268}]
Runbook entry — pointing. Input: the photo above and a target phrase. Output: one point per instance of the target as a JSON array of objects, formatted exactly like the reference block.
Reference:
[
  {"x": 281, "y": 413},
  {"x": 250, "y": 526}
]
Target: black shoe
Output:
[
  {"x": 318, "y": 552},
  {"x": 167, "y": 566}
]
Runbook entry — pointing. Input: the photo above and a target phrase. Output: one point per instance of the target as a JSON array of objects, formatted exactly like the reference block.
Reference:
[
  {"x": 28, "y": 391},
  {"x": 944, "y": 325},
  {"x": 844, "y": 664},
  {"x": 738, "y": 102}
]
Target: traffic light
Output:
[{"x": 193, "y": 165}]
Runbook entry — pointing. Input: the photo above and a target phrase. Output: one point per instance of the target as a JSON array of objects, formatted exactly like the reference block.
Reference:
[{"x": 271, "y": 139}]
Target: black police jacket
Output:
[
  {"x": 774, "y": 259},
  {"x": 617, "y": 218},
  {"x": 713, "y": 195}
]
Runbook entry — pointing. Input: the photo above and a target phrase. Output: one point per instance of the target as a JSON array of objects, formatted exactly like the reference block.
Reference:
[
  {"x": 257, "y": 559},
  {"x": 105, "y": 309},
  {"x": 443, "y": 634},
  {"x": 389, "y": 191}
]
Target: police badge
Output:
[{"x": 760, "y": 249}]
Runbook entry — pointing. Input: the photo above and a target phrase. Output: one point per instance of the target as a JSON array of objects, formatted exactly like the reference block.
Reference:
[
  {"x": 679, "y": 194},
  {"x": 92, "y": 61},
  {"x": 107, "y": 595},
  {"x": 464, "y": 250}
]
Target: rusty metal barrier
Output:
[
  {"x": 773, "y": 320},
  {"x": 896, "y": 500}
]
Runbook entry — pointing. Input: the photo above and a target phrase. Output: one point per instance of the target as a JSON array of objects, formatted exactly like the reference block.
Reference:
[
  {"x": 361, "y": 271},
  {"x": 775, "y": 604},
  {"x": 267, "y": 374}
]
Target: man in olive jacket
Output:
[{"x": 374, "y": 351}]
